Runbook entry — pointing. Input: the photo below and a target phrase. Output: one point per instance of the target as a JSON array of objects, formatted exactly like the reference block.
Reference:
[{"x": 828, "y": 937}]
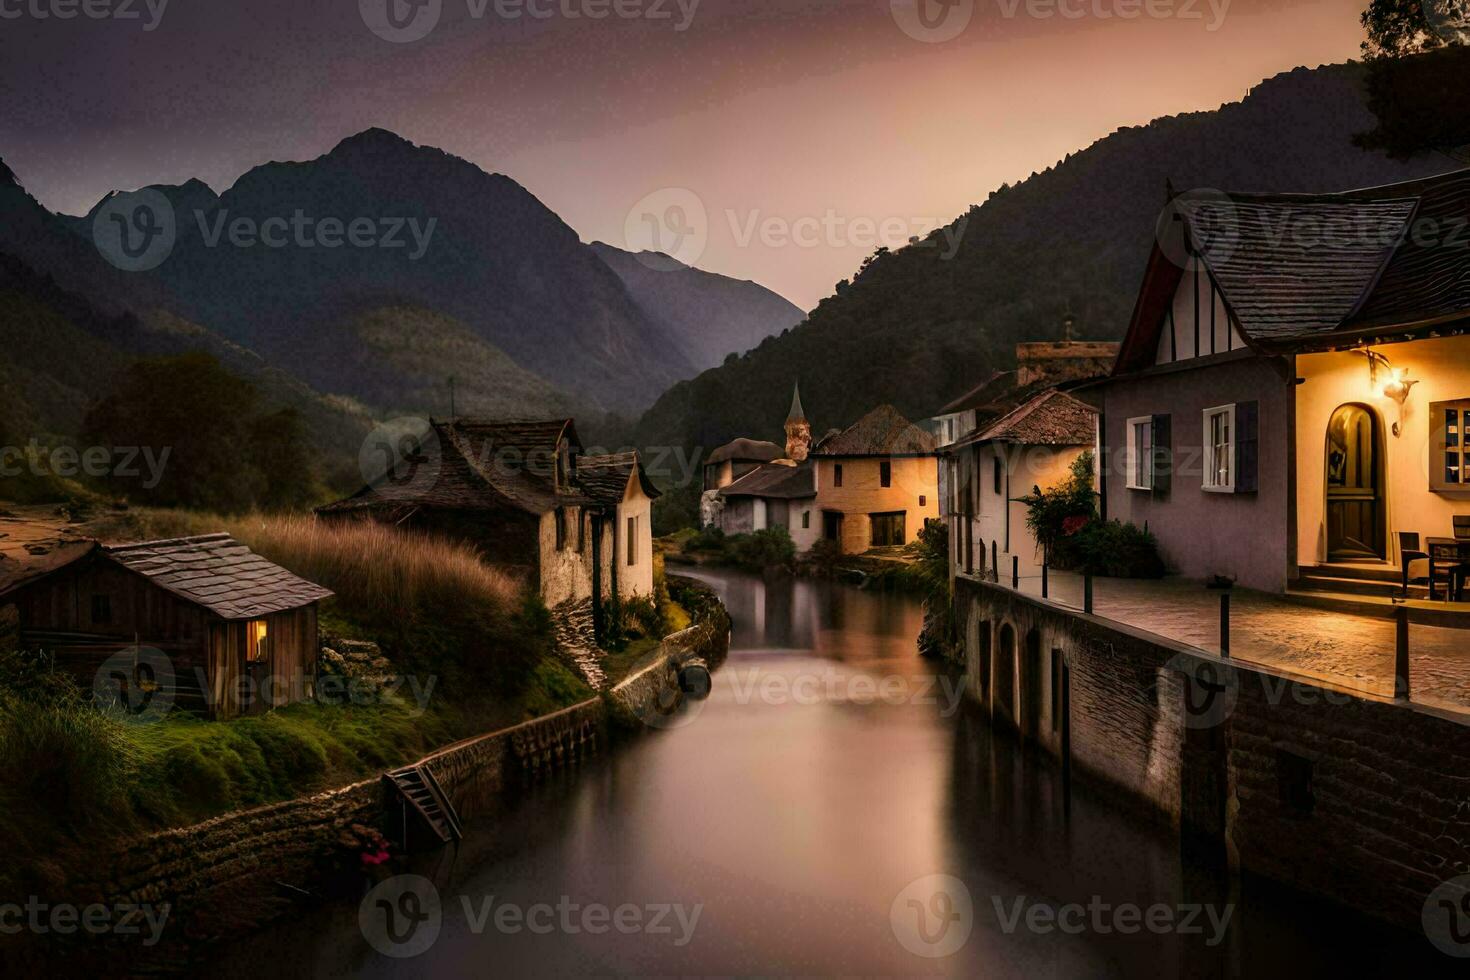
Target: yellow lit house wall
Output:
[
  {"x": 1001, "y": 518},
  {"x": 1442, "y": 368},
  {"x": 862, "y": 493},
  {"x": 635, "y": 578}
]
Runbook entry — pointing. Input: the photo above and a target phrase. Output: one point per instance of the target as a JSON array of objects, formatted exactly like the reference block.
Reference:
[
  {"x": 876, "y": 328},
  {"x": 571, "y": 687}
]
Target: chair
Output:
[{"x": 1414, "y": 561}]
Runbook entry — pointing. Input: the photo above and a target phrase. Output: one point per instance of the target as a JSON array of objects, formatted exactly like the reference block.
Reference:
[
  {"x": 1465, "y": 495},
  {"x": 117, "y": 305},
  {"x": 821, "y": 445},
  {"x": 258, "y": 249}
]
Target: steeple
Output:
[{"x": 798, "y": 429}]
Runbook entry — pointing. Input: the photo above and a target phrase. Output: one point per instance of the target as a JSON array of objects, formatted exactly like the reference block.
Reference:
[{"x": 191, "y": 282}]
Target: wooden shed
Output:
[{"x": 238, "y": 632}]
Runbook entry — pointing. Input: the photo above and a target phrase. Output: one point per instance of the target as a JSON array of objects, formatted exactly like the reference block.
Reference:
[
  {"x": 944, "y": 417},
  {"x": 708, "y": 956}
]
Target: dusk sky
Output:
[{"x": 824, "y": 115}]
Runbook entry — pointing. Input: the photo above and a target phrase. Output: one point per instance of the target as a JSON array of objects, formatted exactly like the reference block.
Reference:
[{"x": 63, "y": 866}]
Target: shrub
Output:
[
  {"x": 1060, "y": 512},
  {"x": 710, "y": 538},
  {"x": 768, "y": 548},
  {"x": 1112, "y": 548},
  {"x": 67, "y": 759}
]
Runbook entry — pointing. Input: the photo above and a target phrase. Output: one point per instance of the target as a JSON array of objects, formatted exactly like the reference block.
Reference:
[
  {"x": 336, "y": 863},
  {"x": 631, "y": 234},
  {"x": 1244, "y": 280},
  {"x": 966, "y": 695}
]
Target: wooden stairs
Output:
[{"x": 422, "y": 794}]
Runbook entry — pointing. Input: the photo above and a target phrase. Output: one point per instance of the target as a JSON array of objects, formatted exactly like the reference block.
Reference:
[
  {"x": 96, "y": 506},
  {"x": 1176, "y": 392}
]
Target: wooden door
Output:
[
  {"x": 888, "y": 529},
  {"x": 1354, "y": 485}
]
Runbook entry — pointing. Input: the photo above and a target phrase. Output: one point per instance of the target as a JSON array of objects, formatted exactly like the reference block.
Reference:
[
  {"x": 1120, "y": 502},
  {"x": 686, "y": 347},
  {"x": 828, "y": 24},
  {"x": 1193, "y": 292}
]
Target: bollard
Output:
[
  {"x": 1015, "y": 571},
  {"x": 994, "y": 562},
  {"x": 1401, "y": 653},
  {"x": 1224, "y": 624},
  {"x": 1044, "y": 589},
  {"x": 1087, "y": 593}
]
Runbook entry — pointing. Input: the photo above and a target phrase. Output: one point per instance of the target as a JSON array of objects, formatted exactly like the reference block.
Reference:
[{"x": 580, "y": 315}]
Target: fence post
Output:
[
  {"x": 1044, "y": 589},
  {"x": 1401, "y": 653},
  {"x": 1015, "y": 571},
  {"x": 1224, "y": 624},
  {"x": 1087, "y": 593},
  {"x": 994, "y": 562}
]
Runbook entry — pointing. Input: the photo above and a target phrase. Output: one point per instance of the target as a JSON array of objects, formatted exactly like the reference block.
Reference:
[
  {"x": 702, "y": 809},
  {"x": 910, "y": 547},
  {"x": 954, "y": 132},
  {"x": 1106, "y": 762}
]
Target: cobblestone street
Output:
[{"x": 1351, "y": 650}]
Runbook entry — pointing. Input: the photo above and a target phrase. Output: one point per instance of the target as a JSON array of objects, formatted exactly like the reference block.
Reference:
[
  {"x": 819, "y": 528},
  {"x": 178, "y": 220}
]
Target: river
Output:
[{"x": 831, "y": 809}]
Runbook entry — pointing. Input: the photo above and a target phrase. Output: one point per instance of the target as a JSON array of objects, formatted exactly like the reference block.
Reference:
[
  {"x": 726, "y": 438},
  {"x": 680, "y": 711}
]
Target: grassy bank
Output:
[{"x": 474, "y": 643}]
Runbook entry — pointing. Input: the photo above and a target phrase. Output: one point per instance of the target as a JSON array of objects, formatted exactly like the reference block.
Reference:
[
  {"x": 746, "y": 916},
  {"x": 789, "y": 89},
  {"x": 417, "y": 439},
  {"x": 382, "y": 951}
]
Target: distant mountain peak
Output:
[
  {"x": 374, "y": 138},
  {"x": 658, "y": 261}
]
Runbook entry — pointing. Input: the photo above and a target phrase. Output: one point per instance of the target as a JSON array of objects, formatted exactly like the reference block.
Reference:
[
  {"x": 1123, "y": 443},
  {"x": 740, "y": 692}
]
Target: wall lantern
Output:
[{"x": 1397, "y": 387}]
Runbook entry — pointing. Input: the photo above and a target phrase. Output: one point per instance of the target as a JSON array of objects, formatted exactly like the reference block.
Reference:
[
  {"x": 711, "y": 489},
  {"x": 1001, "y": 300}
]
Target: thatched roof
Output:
[{"x": 882, "y": 432}]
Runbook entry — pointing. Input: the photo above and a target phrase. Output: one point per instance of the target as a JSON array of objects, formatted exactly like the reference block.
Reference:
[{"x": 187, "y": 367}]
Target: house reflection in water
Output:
[{"x": 819, "y": 616}]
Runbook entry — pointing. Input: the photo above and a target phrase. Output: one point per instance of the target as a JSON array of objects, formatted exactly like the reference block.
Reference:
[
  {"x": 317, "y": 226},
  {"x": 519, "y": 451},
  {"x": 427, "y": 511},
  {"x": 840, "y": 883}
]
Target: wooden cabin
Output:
[{"x": 235, "y": 634}]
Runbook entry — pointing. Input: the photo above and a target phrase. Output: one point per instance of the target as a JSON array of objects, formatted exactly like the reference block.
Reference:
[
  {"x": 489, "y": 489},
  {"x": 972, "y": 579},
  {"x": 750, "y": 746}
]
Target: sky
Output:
[{"x": 779, "y": 141}]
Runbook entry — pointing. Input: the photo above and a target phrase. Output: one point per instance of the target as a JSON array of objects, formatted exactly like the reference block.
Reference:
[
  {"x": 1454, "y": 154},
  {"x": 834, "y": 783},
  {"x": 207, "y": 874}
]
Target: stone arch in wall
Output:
[
  {"x": 1033, "y": 682},
  {"x": 1003, "y": 698}
]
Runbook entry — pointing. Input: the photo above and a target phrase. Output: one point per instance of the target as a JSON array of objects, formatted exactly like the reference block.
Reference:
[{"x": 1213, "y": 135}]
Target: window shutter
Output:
[
  {"x": 1163, "y": 455},
  {"x": 1247, "y": 447}
]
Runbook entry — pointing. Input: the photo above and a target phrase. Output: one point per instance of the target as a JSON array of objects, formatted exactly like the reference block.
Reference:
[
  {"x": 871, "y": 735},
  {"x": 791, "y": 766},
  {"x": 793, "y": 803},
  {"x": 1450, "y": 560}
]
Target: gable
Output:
[{"x": 1197, "y": 323}]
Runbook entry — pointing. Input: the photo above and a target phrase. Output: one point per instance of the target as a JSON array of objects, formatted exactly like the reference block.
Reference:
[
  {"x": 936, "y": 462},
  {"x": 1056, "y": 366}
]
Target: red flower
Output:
[{"x": 1072, "y": 525}]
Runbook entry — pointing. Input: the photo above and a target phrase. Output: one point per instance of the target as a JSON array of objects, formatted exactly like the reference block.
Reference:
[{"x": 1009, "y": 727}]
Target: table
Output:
[{"x": 1448, "y": 553}]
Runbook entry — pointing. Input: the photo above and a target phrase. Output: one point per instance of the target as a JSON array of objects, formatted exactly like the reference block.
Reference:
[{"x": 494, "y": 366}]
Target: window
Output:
[
  {"x": 885, "y": 473},
  {"x": 1141, "y": 453},
  {"x": 837, "y": 474},
  {"x": 1449, "y": 464},
  {"x": 997, "y": 473},
  {"x": 888, "y": 529},
  {"x": 1219, "y": 431},
  {"x": 831, "y": 525},
  {"x": 632, "y": 547},
  {"x": 101, "y": 609},
  {"x": 257, "y": 641},
  {"x": 923, "y": 500},
  {"x": 806, "y": 519}
]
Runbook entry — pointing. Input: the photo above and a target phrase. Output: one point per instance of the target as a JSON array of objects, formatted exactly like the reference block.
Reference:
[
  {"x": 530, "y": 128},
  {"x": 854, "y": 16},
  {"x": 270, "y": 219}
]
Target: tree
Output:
[
  {"x": 1403, "y": 27},
  {"x": 279, "y": 452}
]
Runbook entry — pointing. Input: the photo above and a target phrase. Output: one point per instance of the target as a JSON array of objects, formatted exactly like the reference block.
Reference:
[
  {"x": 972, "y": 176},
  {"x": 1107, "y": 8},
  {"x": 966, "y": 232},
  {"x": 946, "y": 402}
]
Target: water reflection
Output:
[{"x": 795, "y": 822}]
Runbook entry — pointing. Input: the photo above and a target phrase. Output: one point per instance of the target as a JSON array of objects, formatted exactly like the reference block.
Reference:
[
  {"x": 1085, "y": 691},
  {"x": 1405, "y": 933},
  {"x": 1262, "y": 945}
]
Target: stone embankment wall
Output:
[
  {"x": 240, "y": 870},
  {"x": 1362, "y": 800}
]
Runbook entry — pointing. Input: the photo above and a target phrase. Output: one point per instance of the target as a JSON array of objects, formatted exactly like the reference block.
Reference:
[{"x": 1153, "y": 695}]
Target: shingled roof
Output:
[
  {"x": 882, "y": 432},
  {"x": 605, "y": 478},
  {"x": 997, "y": 386},
  {"x": 776, "y": 481},
  {"x": 1311, "y": 272},
  {"x": 1052, "y": 418},
  {"x": 476, "y": 464},
  {"x": 219, "y": 573}
]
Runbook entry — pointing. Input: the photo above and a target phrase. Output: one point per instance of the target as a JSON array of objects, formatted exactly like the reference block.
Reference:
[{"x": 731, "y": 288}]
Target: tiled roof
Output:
[
  {"x": 882, "y": 432},
  {"x": 996, "y": 386},
  {"x": 776, "y": 481},
  {"x": 220, "y": 574},
  {"x": 474, "y": 464},
  {"x": 1052, "y": 418},
  {"x": 747, "y": 450},
  {"x": 605, "y": 478}
]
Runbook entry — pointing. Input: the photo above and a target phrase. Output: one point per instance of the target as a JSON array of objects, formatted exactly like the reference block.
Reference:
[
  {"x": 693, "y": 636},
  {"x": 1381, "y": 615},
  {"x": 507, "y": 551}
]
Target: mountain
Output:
[
  {"x": 709, "y": 315},
  {"x": 919, "y": 326},
  {"x": 416, "y": 228}
]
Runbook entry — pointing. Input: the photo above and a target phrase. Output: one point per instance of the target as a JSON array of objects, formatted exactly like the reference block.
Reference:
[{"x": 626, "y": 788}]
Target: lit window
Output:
[
  {"x": 1219, "y": 433},
  {"x": 1141, "y": 453},
  {"x": 1450, "y": 463},
  {"x": 257, "y": 640}
]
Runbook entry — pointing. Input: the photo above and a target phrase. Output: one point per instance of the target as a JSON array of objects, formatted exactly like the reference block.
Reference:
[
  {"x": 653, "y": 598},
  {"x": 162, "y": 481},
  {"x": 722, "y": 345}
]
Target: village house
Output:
[
  {"x": 522, "y": 493},
  {"x": 211, "y": 625},
  {"x": 1030, "y": 448},
  {"x": 870, "y": 485},
  {"x": 1291, "y": 399}
]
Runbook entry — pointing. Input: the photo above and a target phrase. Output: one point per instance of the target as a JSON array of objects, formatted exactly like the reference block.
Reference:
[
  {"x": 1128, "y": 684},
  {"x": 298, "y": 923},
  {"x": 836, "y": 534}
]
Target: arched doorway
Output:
[
  {"x": 1003, "y": 704},
  {"x": 1355, "y": 511}
]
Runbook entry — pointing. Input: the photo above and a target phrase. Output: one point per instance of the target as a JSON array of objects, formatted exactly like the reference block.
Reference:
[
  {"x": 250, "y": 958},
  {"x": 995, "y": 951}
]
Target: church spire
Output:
[
  {"x": 796, "y": 414},
  {"x": 798, "y": 429}
]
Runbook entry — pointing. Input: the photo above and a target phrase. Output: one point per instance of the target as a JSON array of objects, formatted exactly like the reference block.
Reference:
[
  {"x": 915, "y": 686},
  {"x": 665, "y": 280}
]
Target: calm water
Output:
[{"x": 796, "y": 808}]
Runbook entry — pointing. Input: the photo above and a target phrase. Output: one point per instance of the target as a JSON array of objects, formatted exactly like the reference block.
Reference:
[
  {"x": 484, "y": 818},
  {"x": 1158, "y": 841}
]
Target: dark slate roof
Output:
[
  {"x": 1306, "y": 272},
  {"x": 882, "y": 432},
  {"x": 775, "y": 480},
  {"x": 219, "y": 573},
  {"x": 1052, "y": 418},
  {"x": 605, "y": 478},
  {"x": 996, "y": 386},
  {"x": 477, "y": 464},
  {"x": 747, "y": 450}
]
